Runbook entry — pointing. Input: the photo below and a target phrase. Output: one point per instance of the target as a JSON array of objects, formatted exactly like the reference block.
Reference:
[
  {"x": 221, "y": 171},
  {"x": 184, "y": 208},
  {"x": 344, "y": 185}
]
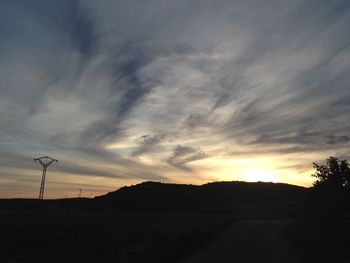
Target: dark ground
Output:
[
  {"x": 249, "y": 241},
  {"x": 153, "y": 222},
  {"x": 104, "y": 236}
]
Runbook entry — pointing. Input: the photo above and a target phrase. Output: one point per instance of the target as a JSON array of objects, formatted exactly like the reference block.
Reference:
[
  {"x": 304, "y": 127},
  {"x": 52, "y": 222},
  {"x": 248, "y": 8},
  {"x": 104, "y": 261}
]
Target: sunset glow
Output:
[{"x": 122, "y": 92}]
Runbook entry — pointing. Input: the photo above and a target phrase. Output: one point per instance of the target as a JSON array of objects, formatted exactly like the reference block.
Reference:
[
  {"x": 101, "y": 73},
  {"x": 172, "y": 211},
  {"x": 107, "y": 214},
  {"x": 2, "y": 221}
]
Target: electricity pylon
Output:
[{"x": 45, "y": 162}]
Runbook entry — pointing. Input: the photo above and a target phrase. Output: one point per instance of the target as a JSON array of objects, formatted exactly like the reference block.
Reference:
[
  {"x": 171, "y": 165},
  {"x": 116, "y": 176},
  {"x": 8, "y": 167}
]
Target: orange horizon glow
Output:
[{"x": 213, "y": 169}]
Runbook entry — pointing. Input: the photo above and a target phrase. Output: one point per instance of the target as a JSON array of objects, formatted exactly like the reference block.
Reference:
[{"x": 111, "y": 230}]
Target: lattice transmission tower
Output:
[{"x": 45, "y": 162}]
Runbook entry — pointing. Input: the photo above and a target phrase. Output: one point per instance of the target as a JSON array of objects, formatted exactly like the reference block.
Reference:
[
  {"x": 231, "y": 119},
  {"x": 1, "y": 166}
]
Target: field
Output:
[
  {"x": 152, "y": 222},
  {"x": 104, "y": 236}
]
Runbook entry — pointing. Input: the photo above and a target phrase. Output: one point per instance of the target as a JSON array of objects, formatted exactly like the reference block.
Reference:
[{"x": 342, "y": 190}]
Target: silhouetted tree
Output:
[
  {"x": 331, "y": 190},
  {"x": 333, "y": 176},
  {"x": 330, "y": 197}
]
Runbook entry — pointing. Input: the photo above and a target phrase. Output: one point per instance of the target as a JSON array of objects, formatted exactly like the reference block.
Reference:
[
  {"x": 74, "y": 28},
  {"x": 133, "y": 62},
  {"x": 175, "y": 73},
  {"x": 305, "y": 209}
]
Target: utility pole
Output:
[
  {"x": 80, "y": 190},
  {"x": 45, "y": 162}
]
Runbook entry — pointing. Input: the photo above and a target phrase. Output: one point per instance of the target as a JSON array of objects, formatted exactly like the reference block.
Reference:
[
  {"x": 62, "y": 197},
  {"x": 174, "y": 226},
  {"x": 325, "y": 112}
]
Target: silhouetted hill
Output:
[
  {"x": 147, "y": 222},
  {"x": 241, "y": 198}
]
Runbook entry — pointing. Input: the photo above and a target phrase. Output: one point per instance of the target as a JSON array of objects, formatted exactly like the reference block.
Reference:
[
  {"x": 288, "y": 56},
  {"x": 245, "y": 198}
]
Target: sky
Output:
[{"x": 186, "y": 91}]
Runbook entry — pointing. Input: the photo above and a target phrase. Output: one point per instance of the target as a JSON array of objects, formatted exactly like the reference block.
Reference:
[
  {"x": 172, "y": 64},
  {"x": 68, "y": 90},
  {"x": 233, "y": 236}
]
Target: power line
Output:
[
  {"x": 45, "y": 162},
  {"x": 18, "y": 142}
]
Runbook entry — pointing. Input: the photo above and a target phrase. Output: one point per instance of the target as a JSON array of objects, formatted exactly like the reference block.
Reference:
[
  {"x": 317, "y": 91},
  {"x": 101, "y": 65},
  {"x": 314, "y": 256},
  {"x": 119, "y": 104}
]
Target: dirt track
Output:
[{"x": 248, "y": 241}]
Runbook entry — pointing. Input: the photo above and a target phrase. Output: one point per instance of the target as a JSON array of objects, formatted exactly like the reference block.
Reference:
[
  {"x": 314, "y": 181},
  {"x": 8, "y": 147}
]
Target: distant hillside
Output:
[{"x": 241, "y": 198}]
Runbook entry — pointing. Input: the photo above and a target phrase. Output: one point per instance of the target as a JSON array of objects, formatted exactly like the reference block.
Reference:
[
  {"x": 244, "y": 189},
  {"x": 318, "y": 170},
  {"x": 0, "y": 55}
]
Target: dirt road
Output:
[{"x": 248, "y": 241}]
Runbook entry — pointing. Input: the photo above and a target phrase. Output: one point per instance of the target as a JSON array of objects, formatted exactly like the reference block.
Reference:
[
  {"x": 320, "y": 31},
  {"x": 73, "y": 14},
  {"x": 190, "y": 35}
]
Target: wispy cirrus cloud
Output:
[
  {"x": 138, "y": 90},
  {"x": 184, "y": 154}
]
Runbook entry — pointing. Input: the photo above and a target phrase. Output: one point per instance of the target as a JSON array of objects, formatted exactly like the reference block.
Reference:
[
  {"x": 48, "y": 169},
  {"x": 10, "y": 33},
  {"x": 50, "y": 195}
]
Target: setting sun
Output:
[{"x": 258, "y": 175}]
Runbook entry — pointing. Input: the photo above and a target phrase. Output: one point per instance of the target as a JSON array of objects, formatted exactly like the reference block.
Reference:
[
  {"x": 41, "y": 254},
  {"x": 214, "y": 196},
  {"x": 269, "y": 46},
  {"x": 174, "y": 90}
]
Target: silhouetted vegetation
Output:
[
  {"x": 323, "y": 233},
  {"x": 331, "y": 191},
  {"x": 332, "y": 176}
]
